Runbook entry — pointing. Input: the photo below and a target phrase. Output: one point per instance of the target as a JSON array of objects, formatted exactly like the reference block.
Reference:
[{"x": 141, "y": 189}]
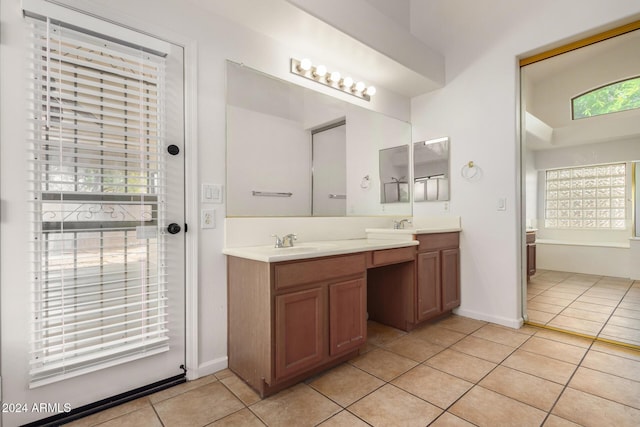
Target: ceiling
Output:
[{"x": 549, "y": 86}]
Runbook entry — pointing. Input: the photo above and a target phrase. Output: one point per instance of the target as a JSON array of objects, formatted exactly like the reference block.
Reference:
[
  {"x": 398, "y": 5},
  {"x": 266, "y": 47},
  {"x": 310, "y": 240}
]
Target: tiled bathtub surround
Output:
[
  {"x": 606, "y": 307},
  {"x": 456, "y": 372}
]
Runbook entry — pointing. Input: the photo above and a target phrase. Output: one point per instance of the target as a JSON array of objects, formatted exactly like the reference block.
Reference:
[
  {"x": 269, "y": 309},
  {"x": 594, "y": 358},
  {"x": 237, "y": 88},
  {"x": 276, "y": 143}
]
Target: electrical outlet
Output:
[{"x": 208, "y": 218}]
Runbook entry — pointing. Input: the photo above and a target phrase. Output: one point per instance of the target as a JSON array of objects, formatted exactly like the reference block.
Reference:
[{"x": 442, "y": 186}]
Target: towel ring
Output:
[
  {"x": 366, "y": 181},
  {"x": 469, "y": 171}
]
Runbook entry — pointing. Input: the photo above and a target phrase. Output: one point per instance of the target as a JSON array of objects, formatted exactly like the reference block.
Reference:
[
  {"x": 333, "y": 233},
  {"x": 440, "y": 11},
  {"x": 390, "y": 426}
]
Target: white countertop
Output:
[
  {"x": 307, "y": 250},
  {"x": 406, "y": 234}
]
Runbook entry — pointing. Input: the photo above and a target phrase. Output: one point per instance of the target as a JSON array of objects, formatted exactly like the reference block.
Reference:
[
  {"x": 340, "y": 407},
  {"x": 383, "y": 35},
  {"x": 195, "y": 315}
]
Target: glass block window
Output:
[{"x": 591, "y": 197}]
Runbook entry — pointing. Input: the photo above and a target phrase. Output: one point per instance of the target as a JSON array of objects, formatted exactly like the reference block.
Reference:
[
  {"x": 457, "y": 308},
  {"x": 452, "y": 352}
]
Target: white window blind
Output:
[
  {"x": 99, "y": 288},
  {"x": 591, "y": 197}
]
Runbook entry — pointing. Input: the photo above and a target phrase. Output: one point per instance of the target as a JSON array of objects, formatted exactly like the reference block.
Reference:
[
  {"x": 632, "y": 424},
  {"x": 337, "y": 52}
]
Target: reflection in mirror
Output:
[
  {"x": 394, "y": 173},
  {"x": 431, "y": 170},
  {"x": 292, "y": 151}
]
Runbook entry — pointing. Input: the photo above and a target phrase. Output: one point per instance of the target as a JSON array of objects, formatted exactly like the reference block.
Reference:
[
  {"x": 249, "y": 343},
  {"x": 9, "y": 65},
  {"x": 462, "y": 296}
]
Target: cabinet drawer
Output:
[
  {"x": 317, "y": 270},
  {"x": 393, "y": 256},
  {"x": 436, "y": 241},
  {"x": 531, "y": 237}
]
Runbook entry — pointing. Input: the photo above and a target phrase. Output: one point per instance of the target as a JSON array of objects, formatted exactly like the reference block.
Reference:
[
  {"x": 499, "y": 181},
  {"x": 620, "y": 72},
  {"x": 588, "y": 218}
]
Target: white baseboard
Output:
[
  {"x": 499, "y": 320},
  {"x": 210, "y": 367}
]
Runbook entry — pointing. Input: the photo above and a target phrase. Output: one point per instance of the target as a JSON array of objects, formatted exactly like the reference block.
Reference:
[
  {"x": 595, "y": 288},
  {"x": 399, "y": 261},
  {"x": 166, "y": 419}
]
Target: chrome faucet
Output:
[
  {"x": 400, "y": 224},
  {"x": 285, "y": 242}
]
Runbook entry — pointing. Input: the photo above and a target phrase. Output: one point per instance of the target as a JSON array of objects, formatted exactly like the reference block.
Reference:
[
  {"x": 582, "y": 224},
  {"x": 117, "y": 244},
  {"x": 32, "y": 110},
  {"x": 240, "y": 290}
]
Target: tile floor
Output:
[
  {"x": 604, "y": 307},
  {"x": 456, "y": 372}
]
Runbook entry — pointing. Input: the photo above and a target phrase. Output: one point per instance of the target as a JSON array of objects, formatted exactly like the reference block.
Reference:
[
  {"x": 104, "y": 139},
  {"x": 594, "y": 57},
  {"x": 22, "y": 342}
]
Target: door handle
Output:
[{"x": 173, "y": 228}]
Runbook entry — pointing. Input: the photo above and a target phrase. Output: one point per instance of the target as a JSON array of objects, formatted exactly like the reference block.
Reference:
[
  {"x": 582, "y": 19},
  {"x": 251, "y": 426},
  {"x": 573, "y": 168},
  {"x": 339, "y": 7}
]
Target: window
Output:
[
  {"x": 619, "y": 96},
  {"x": 591, "y": 197},
  {"x": 99, "y": 287}
]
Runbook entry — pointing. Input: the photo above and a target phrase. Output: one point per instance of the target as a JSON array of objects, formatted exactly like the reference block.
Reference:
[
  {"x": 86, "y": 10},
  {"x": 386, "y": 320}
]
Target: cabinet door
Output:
[
  {"x": 347, "y": 316},
  {"x": 450, "y": 278},
  {"x": 531, "y": 259},
  {"x": 299, "y": 327},
  {"x": 429, "y": 297}
]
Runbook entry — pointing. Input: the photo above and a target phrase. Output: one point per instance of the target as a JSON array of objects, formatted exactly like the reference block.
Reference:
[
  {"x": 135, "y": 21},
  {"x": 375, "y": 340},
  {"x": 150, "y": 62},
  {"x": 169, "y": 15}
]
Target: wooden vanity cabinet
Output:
[
  {"x": 438, "y": 274},
  {"x": 291, "y": 319},
  {"x": 531, "y": 253}
]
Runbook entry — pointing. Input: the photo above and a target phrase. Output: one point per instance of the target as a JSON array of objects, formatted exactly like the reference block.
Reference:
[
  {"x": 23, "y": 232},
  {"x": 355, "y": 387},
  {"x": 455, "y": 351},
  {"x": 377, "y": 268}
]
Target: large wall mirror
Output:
[
  {"x": 292, "y": 151},
  {"x": 431, "y": 170}
]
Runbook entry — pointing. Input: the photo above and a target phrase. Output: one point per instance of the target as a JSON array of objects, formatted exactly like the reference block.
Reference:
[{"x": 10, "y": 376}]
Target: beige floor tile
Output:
[
  {"x": 539, "y": 317},
  {"x": 449, "y": 420},
  {"x": 608, "y": 386},
  {"x": 564, "y": 337},
  {"x": 556, "y": 421},
  {"x": 344, "y": 419},
  {"x": 593, "y": 411},
  {"x": 626, "y": 322},
  {"x": 223, "y": 374},
  {"x": 617, "y": 350},
  {"x": 181, "y": 388},
  {"x": 379, "y": 334},
  {"x": 437, "y": 335},
  {"x": 562, "y": 302},
  {"x": 432, "y": 385},
  {"x": 199, "y": 406},
  {"x": 484, "y": 349},
  {"x": 383, "y": 364},
  {"x": 620, "y": 333},
  {"x": 624, "y": 312},
  {"x": 242, "y": 418},
  {"x": 461, "y": 324},
  {"x": 630, "y": 305},
  {"x": 557, "y": 350},
  {"x": 299, "y": 405},
  {"x": 544, "y": 307},
  {"x": 582, "y": 326},
  {"x": 345, "y": 384},
  {"x": 597, "y": 300},
  {"x": 145, "y": 417},
  {"x": 529, "y": 389},
  {"x": 612, "y": 364},
  {"x": 111, "y": 413},
  {"x": 484, "y": 407},
  {"x": 414, "y": 348},
  {"x": 241, "y": 390},
  {"x": 588, "y": 306},
  {"x": 560, "y": 294},
  {"x": 461, "y": 365},
  {"x": 594, "y": 316},
  {"x": 606, "y": 293},
  {"x": 540, "y": 366},
  {"x": 390, "y": 406},
  {"x": 501, "y": 335}
]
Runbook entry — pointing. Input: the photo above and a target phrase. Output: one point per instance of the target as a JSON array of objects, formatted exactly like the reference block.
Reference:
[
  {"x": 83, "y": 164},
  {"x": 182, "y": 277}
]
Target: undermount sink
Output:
[{"x": 298, "y": 248}]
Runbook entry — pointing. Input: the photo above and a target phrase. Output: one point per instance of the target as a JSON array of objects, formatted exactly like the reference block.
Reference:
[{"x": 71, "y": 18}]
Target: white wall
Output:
[
  {"x": 210, "y": 41},
  {"x": 478, "y": 109},
  {"x": 270, "y": 143}
]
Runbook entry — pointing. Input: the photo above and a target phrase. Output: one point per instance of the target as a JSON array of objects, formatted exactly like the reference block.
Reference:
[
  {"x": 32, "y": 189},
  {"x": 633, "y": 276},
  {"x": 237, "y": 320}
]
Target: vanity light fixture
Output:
[{"x": 319, "y": 73}]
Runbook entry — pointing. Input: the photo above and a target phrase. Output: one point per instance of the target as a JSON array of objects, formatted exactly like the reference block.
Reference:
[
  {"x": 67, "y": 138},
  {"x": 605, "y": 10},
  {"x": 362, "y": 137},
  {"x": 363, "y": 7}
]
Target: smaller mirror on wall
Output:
[
  {"x": 431, "y": 170},
  {"x": 394, "y": 174}
]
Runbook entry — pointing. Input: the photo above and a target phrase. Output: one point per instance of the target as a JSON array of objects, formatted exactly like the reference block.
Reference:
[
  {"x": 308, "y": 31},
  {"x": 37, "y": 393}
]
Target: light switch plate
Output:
[
  {"x": 207, "y": 218},
  {"x": 211, "y": 193},
  {"x": 502, "y": 203}
]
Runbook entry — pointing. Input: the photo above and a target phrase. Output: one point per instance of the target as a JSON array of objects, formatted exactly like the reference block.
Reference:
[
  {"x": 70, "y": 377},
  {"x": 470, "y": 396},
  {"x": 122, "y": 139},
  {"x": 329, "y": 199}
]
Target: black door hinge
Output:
[{"x": 186, "y": 227}]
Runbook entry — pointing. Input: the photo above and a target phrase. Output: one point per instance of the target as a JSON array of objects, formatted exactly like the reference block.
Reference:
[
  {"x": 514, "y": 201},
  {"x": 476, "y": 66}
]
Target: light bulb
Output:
[
  {"x": 305, "y": 65},
  {"x": 334, "y": 77},
  {"x": 359, "y": 87},
  {"x": 371, "y": 90},
  {"x": 347, "y": 82},
  {"x": 320, "y": 71}
]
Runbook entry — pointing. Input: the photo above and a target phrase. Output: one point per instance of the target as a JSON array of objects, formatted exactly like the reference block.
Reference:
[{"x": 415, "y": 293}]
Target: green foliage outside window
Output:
[{"x": 620, "y": 96}]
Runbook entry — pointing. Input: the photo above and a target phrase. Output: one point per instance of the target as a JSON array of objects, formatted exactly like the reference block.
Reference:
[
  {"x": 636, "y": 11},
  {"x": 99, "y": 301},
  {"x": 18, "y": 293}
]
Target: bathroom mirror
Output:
[
  {"x": 394, "y": 174},
  {"x": 292, "y": 151},
  {"x": 431, "y": 170}
]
